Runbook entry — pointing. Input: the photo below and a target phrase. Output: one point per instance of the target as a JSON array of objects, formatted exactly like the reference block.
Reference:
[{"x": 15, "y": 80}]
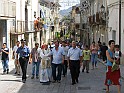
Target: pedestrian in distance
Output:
[
  {"x": 35, "y": 59},
  {"x": 112, "y": 77},
  {"x": 5, "y": 58},
  {"x": 23, "y": 53},
  {"x": 75, "y": 61},
  {"x": 104, "y": 48},
  {"x": 99, "y": 49},
  {"x": 94, "y": 54},
  {"x": 65, "y": 65},
  {"x": 86, "y": 59},
  {"x": 16, "y": 61}
]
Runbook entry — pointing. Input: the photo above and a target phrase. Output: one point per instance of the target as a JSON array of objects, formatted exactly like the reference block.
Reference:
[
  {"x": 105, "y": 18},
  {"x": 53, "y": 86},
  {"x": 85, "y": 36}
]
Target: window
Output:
[{"x": 114, "y": 35}]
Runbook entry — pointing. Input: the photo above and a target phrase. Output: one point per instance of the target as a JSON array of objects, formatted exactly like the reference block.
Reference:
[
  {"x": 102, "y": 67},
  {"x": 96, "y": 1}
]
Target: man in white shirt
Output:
[
  {"x": 16, "y": 61},
  {"x": 75, "y": 60}
]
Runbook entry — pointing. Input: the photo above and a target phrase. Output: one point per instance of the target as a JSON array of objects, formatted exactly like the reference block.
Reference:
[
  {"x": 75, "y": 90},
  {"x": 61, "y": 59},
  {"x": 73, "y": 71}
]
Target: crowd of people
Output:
[{"x": 59, "y": 56}]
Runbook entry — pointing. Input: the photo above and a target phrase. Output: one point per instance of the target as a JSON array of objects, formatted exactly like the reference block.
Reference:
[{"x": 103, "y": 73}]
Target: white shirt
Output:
[
  {"x": 14, "y": 50},
  {"x": 117, "y": 54},
  {"x": 66, "y": 48},
  {"x": 74, "y": 53}
]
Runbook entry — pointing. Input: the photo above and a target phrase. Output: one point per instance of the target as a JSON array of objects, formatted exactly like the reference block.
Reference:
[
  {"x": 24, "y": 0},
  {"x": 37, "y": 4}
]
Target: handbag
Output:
[{"x": 115, "y": 66}]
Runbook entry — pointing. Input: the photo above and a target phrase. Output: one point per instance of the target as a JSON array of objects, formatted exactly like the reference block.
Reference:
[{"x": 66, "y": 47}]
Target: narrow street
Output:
[{"x": 88, "y": 83}]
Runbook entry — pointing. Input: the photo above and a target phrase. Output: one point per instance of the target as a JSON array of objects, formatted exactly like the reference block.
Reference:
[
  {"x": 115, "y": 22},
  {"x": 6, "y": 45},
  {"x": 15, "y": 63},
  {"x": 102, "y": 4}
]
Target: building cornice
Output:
[{"x": 114, "y": 4}]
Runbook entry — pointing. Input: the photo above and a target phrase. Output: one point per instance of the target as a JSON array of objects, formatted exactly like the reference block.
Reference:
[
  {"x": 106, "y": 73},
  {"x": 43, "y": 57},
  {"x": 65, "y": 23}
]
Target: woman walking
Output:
[
  {"x": 112, "y": 77},
  {"x": 94, "y": 50}
]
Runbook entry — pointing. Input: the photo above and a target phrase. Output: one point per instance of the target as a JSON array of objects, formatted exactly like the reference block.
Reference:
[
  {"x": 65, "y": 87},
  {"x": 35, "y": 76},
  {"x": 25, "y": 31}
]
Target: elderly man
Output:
[
  {"x": 23, "y": 52},
  {"x": 75, "y": 60}
]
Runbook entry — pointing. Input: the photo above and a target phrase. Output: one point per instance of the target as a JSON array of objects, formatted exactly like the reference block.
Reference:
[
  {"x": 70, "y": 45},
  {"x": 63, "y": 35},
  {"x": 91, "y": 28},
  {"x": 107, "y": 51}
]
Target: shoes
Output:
[
  {"x": 87, "y": 71},
  {"x": 7, "y": 71},
  {"x": 54, "y": 81},
  {"x": 24, "y": 81},
  {"x": 37, "y": 77},
  {"x": 77, "y": 80},
  {"x": 32, "y": 77},
  {"x": 73, "y": 83},
  {"x": 58, "y": 81}
]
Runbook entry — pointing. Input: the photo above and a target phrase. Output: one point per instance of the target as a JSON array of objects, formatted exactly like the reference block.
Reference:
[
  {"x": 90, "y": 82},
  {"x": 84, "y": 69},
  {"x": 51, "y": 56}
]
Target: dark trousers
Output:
[
  {"x": 104, "y": 57},
  {"x": 64, "y": 67},
  {"x": 54, "y": 67},
  {"x": 74, "y": 69},
  {"x": 23, "y": 64}
]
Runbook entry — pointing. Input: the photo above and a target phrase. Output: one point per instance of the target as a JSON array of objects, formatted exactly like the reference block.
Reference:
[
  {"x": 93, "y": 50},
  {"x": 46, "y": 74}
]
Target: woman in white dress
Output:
[{"x": 46, "y": 71}]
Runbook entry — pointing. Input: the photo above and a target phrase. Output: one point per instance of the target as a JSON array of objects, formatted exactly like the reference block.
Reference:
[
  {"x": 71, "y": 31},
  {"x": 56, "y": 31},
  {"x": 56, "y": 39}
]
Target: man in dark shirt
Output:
[
  {"x": 103, "y": 50},
  {"x": 5, "y": 58}
]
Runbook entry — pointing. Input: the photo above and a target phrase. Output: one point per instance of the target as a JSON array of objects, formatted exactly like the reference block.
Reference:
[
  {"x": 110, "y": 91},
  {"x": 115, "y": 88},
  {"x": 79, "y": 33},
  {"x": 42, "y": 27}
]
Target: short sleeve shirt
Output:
[
  {"x": 57, "y": 55},
  {"x": 4, "y": 55},
  {"x": 23, "y": 51},
  {"x": 86, "y": 54},
  {"x": 15, "y": 49},
  {"x": 74, "y": 53}
]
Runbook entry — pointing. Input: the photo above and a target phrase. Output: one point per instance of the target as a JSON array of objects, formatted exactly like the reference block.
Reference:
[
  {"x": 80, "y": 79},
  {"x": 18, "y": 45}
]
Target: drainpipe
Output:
[{"x": 120, "y": 23}]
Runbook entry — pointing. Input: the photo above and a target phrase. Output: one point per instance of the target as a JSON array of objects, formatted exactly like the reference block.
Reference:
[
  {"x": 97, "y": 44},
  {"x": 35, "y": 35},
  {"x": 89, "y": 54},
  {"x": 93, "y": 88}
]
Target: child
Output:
[
  {"x": 117, "y": 53},
  {"x": 86, "y": 59}
]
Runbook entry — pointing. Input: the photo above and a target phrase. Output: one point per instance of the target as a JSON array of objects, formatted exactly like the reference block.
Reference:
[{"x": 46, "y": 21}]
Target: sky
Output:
[{"x": 65, "y": 4}]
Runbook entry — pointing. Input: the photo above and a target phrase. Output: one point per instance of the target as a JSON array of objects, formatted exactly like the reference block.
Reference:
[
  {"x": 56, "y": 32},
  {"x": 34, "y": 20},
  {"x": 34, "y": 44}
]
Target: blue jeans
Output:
[
  {"x": 94, "y": 59},
  {"x": 35, "y": 67},
  {"x": 5, "y": 65}
]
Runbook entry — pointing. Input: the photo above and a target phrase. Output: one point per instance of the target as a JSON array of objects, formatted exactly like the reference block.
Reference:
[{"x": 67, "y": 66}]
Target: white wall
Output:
[{"x": 114, "y": 22}]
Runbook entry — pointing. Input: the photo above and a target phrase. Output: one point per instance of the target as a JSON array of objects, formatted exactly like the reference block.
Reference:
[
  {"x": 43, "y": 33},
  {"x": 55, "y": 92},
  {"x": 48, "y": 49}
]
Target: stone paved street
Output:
[{"x": 89, "y": 83}]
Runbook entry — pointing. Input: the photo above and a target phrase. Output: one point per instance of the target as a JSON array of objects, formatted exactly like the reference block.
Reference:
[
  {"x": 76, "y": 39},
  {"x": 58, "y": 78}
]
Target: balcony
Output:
[
  {"x": 7, "y": 8},
  {"x": 97, "y": 19}
]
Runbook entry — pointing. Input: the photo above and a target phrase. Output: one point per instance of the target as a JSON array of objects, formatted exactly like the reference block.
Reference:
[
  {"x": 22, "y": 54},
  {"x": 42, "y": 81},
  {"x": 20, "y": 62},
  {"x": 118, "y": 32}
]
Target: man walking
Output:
[
  {"x": 104, "y": 48},
  {"x": 75, "y": 60},
  {"x": 65, "y": 65},
  {"x": 5, "y": 58},
  {"x": 23, "y": 52},
  {"x": 16, "y": 61},
  {"x": 86, "y": 59},
  {"x": 58, "y": 59},
  {"x": 35, "y": 56}
]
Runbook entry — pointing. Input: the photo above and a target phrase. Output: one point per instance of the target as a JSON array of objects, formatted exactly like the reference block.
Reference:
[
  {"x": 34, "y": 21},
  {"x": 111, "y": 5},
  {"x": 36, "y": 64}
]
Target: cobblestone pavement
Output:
[{"x": 88, "y": 83}]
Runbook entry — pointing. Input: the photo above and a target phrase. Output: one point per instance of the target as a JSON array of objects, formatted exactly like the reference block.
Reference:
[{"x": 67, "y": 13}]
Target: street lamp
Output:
[{"x": 102, "y": 8}]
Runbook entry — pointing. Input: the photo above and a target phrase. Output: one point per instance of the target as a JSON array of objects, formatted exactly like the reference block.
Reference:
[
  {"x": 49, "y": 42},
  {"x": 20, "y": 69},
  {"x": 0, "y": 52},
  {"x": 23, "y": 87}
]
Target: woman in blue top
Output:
[{"x": 112, "y": 78}]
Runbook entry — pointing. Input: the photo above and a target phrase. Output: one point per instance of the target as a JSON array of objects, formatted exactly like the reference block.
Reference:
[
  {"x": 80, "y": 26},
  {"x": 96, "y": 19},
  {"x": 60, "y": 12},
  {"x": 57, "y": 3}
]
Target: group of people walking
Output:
[{"x": 46, "y": 60}]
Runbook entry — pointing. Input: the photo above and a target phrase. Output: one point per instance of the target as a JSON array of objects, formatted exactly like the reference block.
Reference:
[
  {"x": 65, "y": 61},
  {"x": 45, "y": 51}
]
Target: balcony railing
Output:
[
  {"x": 7, "y": 8},
  {"x": 98, "y": 18},
  {"x": 25, "y": 26}
]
